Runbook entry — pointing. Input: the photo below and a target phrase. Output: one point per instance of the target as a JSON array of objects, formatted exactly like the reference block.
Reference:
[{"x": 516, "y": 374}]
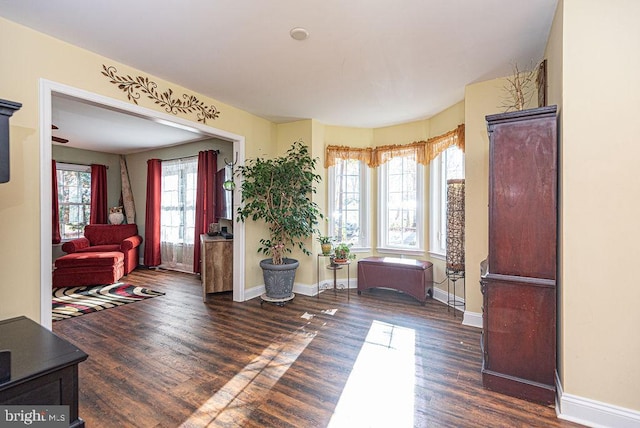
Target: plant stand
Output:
[
  {"x": 452, "y": 299},
  {"x": 335, "y": 266}
]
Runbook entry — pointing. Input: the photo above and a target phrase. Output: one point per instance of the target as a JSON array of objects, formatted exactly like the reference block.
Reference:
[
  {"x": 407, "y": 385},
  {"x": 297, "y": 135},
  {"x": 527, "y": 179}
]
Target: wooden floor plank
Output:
[{"x": 174, "y": 360}]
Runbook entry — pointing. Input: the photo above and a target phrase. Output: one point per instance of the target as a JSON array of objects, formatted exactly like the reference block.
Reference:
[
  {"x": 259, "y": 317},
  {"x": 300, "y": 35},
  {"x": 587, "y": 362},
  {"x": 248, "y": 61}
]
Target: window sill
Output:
[
  {"x": 437, "y": 256},
  {"x": 400, "y": 251}
]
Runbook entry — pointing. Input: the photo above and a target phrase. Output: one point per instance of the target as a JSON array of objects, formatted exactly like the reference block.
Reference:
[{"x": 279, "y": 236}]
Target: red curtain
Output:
[
  {"x": 55, "y": 209},
  {"x": 99, "y": 208},
  {"x": 152, "y": 216},
  {"x": 205, "y": 199}
]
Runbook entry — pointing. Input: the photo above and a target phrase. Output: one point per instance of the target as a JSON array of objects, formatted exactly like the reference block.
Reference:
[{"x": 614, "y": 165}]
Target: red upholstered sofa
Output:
[{"x": 107, "y": 238}]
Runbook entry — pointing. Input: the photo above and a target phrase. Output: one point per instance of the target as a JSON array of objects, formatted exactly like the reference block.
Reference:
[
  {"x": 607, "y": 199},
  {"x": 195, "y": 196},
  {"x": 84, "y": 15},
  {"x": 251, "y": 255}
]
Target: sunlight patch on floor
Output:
[
  {"x": 235, "y": 401},
  {"x": 380, "y": 388}
]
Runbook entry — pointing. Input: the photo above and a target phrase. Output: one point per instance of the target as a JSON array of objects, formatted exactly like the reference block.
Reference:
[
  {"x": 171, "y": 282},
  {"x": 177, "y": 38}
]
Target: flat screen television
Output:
[{"x": 224, "y": 198}]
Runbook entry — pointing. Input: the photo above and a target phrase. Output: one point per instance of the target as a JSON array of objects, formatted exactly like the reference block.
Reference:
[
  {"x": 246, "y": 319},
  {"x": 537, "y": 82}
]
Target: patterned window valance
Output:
[{"x": 423, "y": 151}]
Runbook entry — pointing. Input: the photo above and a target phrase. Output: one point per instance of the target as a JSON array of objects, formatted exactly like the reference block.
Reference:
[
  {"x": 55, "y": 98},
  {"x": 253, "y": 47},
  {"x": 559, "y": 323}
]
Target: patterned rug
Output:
[{"x": 69, "y": 302}]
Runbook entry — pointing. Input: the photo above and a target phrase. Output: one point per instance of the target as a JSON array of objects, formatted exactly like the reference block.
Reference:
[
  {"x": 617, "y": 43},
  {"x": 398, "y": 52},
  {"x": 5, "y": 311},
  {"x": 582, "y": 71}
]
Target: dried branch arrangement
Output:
[{"x": 520, "y": 88}]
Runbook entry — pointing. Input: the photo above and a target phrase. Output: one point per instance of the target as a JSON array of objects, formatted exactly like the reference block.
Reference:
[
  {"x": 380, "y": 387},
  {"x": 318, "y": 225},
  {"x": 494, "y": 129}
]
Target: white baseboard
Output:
[
  {"x": 593, "y": 413},
  {"x": 472, "y": 319},
  {"x": 440, "y": 295},
  {"x": 303, "y": 289},
  {"x": 253, "y": 292}
]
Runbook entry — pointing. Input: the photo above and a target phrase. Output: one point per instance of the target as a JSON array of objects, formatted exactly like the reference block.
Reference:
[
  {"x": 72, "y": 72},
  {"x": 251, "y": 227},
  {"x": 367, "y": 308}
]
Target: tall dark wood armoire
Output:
[{"x": 519, "y": 285}]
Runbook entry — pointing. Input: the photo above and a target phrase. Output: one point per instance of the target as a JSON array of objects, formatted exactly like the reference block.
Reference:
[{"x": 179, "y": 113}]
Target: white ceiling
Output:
[
  {"x": 100, "y": 129},
  {"x": 366, "y": 63}
]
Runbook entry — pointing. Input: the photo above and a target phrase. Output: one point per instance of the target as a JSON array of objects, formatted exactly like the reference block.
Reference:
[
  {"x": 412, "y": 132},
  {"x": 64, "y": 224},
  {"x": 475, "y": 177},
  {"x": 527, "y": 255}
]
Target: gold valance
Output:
[
  {"x": 423, "y": 151},
  {"x": 345, "y": 152}
]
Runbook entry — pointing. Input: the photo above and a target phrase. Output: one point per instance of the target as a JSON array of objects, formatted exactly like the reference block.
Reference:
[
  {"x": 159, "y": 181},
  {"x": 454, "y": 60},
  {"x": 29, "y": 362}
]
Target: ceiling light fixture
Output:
[{"x": 299, "y": 33}]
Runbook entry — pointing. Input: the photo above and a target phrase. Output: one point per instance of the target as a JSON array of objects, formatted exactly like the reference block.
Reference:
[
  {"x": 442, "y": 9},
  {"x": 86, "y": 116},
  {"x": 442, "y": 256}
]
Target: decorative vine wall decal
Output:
[{"x": 187, "y": 104}]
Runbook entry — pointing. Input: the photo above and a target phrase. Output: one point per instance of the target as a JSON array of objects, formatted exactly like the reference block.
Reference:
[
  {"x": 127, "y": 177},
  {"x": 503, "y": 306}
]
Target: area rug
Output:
[{"x": 70, "y": 302}]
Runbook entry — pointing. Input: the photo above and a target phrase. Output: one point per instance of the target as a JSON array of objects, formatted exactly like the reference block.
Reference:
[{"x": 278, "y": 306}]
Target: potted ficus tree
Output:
[{"x": 278, "y": 191}]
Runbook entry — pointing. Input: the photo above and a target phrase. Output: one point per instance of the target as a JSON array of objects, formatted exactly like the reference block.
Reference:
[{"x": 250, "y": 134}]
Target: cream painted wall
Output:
[
  {"x": 402, "y": 134},
  {"x": 344, "y": 136},
  {"x": 290, "y": 132},
  {"x": 600, "y": 234},
  {"x": 26, "y": 57},
  {"x": 318, "y": 131},
  {"x": 447, "y": 120}
]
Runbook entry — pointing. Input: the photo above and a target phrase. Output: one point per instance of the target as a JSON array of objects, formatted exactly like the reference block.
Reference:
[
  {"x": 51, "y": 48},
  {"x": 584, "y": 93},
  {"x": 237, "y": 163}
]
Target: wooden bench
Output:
[{"x": 413, "y": 277}]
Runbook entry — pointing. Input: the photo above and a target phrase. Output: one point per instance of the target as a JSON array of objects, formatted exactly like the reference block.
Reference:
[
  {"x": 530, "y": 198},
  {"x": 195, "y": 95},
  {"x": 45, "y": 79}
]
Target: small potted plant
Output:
[
  {"x": 342, "y": 253},
  {"x": 325, "y": 244}
]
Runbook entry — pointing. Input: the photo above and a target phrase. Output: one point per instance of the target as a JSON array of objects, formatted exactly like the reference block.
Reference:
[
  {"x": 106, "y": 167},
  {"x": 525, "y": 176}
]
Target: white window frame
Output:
[
  {"x": 61, "y": 166},
  {"x": 383, "y": 245},
  {"x": 364, "y": 243},
  {"x": 438, "y": 206},
  {"x": 185, "y": 236}
]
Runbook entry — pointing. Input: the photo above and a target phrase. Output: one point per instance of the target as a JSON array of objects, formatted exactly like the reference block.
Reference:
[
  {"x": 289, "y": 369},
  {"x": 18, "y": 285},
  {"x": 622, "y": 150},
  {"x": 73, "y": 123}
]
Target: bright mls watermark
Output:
[{"x": 34, "y": 416}]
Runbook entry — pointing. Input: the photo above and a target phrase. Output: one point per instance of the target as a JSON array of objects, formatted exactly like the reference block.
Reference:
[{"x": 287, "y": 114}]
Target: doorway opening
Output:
[{"x": 49, "y": 90}]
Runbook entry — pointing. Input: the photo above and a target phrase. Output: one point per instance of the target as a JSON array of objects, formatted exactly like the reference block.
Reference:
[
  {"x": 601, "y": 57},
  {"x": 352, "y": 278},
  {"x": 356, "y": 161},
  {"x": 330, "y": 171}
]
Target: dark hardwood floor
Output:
[{"x": 381, "y": 359}]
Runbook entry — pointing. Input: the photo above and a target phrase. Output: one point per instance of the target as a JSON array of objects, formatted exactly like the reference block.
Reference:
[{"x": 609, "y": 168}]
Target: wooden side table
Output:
[{"x": 217, "y": 264}]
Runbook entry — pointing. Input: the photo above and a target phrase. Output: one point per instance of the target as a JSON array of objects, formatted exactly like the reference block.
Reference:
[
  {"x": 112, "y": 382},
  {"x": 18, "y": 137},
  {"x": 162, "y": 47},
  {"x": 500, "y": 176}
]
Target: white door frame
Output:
[{"x": 47, "y": 88}]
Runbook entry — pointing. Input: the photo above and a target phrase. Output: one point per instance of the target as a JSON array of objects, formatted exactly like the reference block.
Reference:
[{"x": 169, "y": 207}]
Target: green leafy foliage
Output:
[
  {"x": 342, "y": 251},
  {"x": 278, "y": 191},
  {"x": 325, "y": 239}
]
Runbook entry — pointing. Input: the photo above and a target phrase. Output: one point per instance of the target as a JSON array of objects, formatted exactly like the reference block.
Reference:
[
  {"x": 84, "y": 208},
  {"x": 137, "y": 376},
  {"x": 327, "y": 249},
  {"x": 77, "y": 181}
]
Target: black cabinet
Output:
[
  {"x": 7, "y": 108},
  {"x": 44, "y": 367},
  {"x": 519, "y": 287}
]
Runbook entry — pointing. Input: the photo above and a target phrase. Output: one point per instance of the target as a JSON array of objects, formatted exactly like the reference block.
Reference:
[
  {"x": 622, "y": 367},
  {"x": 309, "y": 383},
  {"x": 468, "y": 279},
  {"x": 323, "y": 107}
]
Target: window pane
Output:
[
  {"x": 348, "y": 218},
  {"x": 400, "y": 204},
  {"x": 448, "y": 165},
  {"x": 74, "y": 201},
  {"x": 177, "y": 212}
]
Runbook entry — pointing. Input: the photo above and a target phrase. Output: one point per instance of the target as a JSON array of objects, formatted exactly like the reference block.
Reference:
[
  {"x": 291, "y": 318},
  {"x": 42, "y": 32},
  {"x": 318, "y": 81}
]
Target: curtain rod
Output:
[
  {"x": 84, "y": 164},
  {"x": 76, "y": 163},
  {"x": 185, "y": 157}
]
